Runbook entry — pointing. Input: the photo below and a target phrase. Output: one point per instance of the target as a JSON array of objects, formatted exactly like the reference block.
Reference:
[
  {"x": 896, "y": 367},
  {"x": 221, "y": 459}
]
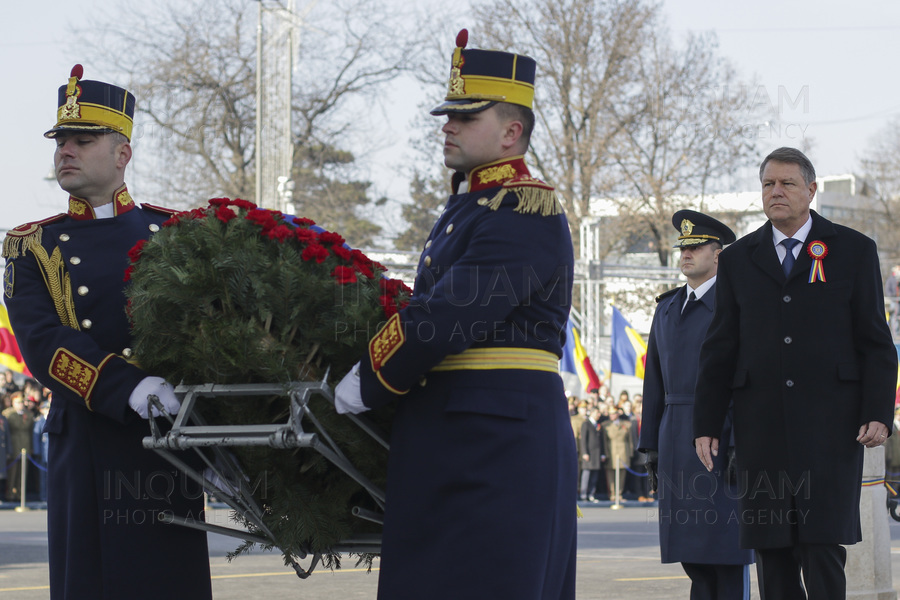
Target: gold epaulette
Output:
[
  {"x": 535, "y": 196},
  {"x": 26, "y": 237},
  {"x": 160, "y": 209}
]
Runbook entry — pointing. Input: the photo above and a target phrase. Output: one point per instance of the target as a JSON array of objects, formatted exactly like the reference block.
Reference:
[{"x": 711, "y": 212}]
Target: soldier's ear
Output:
[
  {"x": 512, "y": 133},
  {"x": 123, "y": 155}
]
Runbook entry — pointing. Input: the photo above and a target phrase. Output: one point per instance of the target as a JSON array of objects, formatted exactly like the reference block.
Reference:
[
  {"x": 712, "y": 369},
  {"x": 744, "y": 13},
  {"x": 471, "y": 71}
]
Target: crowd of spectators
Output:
[
  {"x": 22, "y": 417},
  {"x": 606, "y": 432}
]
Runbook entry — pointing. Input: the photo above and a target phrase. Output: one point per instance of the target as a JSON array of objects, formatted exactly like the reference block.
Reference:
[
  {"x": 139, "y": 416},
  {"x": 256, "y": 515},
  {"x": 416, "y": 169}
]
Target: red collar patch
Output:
[{"x": 81, "y": 210}]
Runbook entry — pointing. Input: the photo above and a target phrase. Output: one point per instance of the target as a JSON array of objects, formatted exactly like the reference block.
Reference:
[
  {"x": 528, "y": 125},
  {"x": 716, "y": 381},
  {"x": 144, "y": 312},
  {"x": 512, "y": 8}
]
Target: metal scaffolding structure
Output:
[{"x": 592, "y": 276}]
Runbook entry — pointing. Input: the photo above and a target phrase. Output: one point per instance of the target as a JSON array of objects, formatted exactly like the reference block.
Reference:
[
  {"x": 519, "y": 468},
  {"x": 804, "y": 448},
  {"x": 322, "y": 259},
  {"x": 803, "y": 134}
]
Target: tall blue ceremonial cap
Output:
[
  {"x": 481, "y": 78},
  {"x": 85, "y": 105},
  {"x": 697, "y": 229}
]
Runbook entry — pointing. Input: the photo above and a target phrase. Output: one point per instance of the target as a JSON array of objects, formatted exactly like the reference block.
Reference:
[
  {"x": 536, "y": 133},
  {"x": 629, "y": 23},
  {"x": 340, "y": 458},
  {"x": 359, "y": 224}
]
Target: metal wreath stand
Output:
[{"x": 227, "y": 471}]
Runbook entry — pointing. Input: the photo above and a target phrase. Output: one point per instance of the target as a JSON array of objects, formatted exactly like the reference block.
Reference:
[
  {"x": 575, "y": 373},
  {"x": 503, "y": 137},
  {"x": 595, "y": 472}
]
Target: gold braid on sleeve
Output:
[{"x": 56, "y": 278}]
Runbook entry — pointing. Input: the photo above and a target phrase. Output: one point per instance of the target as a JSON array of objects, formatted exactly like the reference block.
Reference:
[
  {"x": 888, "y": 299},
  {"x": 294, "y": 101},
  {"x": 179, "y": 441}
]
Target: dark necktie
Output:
[
  {"x": 788, "y": 263},
  {"x": 691, "y": 298}
]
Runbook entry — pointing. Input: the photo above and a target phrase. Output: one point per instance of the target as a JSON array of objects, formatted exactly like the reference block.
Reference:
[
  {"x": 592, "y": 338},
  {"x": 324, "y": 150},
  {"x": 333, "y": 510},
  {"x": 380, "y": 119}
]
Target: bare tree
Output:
[
  {"x": 622, "y": 112},
  {"x": 880, "y": 165},
  {"x": 688, "y": 131},
  {"x": 586, "y": 52},
  {"x": 192, "y": 65}
]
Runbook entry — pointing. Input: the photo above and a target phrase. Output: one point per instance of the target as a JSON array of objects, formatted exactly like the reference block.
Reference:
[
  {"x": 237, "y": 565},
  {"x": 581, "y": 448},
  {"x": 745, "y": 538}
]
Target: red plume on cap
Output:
[
  {"x": 462, "y": 38},
  {"x": 77, "y": 72}
]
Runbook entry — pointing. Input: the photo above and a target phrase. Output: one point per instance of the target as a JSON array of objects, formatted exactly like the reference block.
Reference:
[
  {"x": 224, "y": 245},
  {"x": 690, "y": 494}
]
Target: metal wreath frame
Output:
[{"x": 226, "y": 470}]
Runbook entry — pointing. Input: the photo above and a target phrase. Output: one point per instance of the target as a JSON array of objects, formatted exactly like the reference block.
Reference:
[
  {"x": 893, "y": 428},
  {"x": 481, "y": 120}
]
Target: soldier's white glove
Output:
[
  {"x": 347, "y": 398},
  {"x": 156, "y": 386}
]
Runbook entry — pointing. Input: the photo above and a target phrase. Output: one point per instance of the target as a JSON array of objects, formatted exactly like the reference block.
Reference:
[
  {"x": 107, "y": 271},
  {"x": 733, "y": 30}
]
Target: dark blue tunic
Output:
[
  {"x": 482, "y": 460},
  {"x": 105, "y": 491},
  {"x": 698, "y": 515}
]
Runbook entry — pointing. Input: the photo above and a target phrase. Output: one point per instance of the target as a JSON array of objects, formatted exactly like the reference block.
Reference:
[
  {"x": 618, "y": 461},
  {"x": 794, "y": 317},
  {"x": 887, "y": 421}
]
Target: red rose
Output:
[
  {"x": 390, "y": 286},
  {"x": 303, "y": 222},
  {"x": 306, "y": 236},
  {"x": 365, "y": 270},
  {"x": 341, "y": 252},
  {"x": 225, "y": 214},
  {"x": 388, "y": 305},
  {"x": 245, "y": 204},
  {"x": 362, "y": 263},
  {"x": 279, "y": 232},
  {"x": 344, "y": 275},
  {"x": 315, "y": 251},
  {"x": 135, "y": 253},
  {"x": 331, "y": 238},
  {"x": 260, "y": 216}
]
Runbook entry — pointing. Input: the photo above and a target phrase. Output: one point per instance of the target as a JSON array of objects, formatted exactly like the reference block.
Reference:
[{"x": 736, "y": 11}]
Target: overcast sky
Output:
[{"x": 826, "y": 64}]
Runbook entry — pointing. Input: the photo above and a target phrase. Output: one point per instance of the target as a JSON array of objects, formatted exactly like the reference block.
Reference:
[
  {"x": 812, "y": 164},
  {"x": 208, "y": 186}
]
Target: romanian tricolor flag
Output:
[
  {"x": 629, "y": 350},
  {"x": 10, "y": 357},
  {"x": 575, "y": 365}
]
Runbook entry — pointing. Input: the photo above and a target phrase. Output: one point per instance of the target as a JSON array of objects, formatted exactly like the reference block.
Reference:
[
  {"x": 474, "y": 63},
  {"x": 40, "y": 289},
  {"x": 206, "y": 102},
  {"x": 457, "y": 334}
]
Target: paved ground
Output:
[{"x": 618, "y": 558}]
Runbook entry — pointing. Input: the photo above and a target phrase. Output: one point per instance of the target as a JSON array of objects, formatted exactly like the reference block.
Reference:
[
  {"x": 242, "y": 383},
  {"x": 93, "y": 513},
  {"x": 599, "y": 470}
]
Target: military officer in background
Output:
[
  {"x": 697, "y": 523},
  {"x": 482, "y": 454},
  {"x": 63, "y": 287}
]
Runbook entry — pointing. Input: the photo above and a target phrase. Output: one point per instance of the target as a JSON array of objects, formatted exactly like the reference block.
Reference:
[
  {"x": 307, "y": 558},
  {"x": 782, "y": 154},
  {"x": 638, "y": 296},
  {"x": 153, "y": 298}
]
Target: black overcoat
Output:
[
  {"x": 591, "y": 443},
  {"x": 806, "y": 365}
]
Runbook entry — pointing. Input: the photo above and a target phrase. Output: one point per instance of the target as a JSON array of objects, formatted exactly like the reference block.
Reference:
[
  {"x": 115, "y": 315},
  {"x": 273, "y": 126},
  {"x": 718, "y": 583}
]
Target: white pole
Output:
[
  {"x": 616, "y": 504},
  {"x": 24, "y": 465},
  {"x": 257, "y": 150}
]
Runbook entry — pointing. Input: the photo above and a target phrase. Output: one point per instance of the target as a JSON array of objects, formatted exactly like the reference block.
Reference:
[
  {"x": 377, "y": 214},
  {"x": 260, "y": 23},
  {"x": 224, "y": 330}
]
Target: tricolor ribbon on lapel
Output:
[{"x": 817, "y": 251}]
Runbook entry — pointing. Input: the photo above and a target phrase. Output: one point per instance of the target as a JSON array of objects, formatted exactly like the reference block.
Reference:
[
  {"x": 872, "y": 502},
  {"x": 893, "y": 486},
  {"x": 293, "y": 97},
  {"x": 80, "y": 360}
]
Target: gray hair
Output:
[{"x": 792, "y": 156}]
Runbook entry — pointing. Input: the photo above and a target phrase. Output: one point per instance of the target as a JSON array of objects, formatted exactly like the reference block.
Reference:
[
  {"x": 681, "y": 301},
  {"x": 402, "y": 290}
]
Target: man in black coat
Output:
[
  {"x": 800, "y": 345},
  {"x": 590, "y": 448}
]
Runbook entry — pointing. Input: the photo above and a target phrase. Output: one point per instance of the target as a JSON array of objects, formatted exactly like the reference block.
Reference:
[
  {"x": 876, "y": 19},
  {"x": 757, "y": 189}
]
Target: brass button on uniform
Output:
[
  {"x": 427, "y": 261},
  {"x": 449, "y": 228},
  {"x": 126, "y": 352},
  {"x": 428, "y": 244},
  {"x": 83, "y": 290},
  {"x": 86, "y": 324},
  {"x": 75, "y": 260},
  {"x": 64, "y": 237},
  {"x": 154, "y": 227}
]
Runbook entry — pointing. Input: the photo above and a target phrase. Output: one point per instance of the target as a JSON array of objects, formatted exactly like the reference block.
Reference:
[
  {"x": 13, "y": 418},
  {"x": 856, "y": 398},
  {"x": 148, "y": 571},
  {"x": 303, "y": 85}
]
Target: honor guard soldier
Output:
[
  {"x": 482, "y": 455},
  {"x": 696, "y": 529},
  {"x": 63, "y": 287}
]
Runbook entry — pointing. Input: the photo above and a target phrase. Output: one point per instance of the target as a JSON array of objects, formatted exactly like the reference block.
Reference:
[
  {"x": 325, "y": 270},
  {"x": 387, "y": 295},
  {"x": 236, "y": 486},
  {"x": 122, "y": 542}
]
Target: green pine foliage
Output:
[{"x": 234, "y": 294}]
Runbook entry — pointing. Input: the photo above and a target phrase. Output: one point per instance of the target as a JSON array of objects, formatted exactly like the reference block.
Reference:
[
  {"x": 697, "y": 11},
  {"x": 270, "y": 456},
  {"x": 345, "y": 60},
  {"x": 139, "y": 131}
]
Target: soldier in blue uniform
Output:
[
  {"x": 698, "y": 511},
  {"x": 63, "y": 286},
  {"x": 480, "y": 494}
]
